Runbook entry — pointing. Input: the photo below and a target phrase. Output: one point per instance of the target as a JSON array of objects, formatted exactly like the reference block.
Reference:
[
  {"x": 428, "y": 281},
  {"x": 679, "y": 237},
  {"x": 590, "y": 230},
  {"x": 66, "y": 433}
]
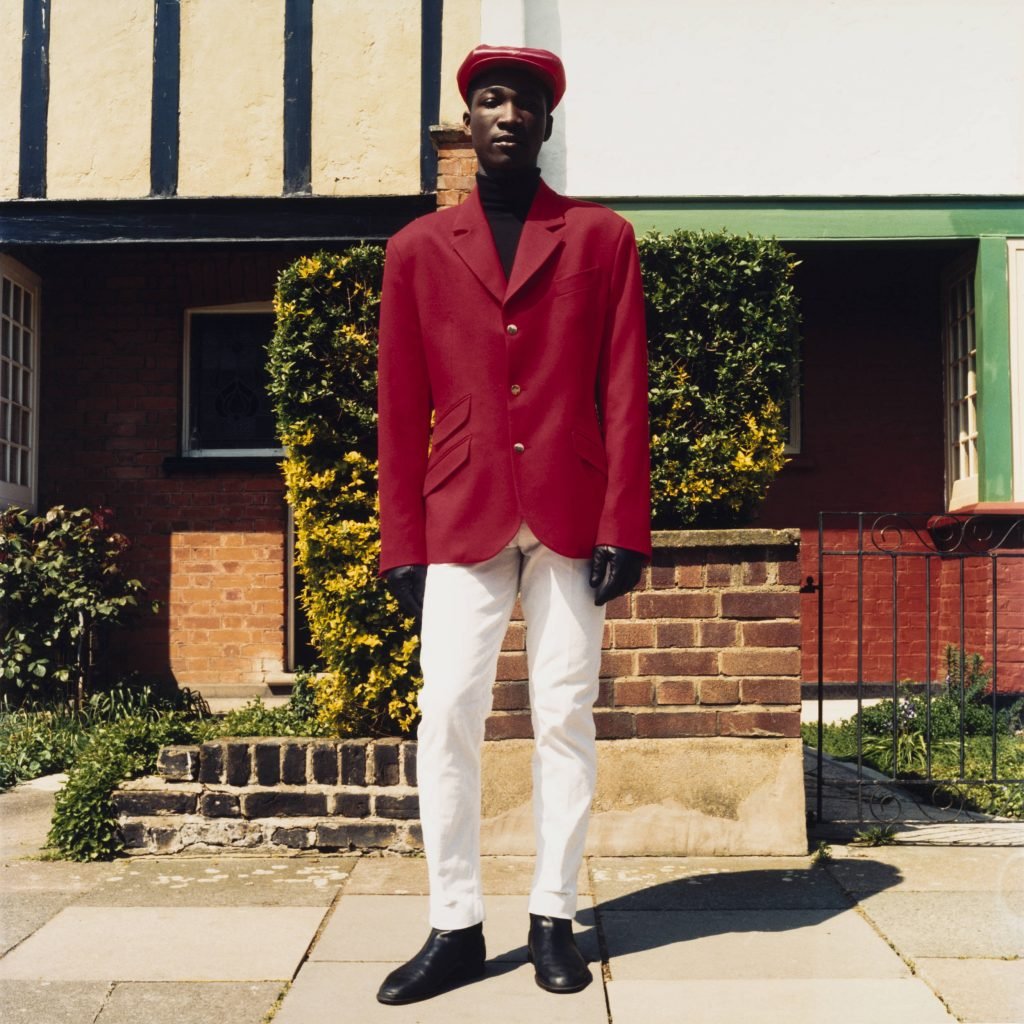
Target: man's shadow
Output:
[{"x": 709, "y": 901}]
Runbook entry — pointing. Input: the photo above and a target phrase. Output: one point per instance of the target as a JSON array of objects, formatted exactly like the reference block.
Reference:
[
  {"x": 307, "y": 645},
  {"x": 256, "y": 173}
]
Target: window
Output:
[
  {"x": 19, "y": 383},
  {"x": 1016, "y": 254},
  {"x": 960, "y": 354},
  {"x": 227, "y": 411}
]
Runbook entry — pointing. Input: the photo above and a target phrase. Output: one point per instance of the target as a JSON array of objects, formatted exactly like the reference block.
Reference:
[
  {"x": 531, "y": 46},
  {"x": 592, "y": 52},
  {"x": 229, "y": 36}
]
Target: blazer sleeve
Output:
[
  {"x": 403, "y": 418},
  {"x": 622, "y": 402}
]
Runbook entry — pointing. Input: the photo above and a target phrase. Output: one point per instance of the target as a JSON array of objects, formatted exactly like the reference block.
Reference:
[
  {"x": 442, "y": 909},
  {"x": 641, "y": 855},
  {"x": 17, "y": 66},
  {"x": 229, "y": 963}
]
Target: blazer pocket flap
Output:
[
  {"x": 449, "y": 421},
  {"x": 590, "y": 450},
  {"x": 441, "y": 467},
  {"x": 575, "y": 282}
]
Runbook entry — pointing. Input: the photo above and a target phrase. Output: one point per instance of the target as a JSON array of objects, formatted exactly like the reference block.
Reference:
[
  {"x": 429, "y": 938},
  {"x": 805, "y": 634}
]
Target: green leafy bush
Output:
[
  {"x": 60, "y": 581},
  {"x": 722, "y": 324},
  {"x": 322, "y": 365}
]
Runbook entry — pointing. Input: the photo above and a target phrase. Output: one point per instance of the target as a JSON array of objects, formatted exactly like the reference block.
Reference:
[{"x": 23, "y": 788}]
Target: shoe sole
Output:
[{"x": 457, "y": 982}]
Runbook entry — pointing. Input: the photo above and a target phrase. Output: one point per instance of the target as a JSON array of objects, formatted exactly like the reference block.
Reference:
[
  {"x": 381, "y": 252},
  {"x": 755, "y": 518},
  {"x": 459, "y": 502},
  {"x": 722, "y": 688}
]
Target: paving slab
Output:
[
  {"x": 26, "y": 811},
  {"x": 52, "y": 1002},
  {"x": 166, "y": 944},
  {"x": 400, "y": 876},
  {"x": 176, "y": 1002},
  {"x": 28, "y": 875},
  {"x": 221, "y": 881},
  {"x": 390, "y": 928},
  {"x": 776, "y": 1001},
  {"x": 726, "y": 944},
  {"x": 22, "y": 913},
  {"x": 928, "y": 869},
  {"x": 507, "y": 995},
  {"x": 950, "y": 924},
  {"x": 705, "y": 883},
  {"x": 978, "y": 990}
]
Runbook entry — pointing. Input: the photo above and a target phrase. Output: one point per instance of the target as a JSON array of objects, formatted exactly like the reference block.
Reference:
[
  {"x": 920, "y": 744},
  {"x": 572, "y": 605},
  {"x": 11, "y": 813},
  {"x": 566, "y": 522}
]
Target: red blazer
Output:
[{"x": 538, "y": 385}]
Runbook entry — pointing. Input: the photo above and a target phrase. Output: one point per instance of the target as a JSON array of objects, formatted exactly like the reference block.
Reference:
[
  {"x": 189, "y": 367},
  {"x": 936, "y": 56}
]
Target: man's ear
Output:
[
  {"x": 465, "y": 121},
  {"x": 550, "y": 126}
]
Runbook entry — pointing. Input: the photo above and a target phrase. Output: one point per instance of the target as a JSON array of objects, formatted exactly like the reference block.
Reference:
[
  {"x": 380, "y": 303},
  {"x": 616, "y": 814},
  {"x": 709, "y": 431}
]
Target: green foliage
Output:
[
  {"x": 60, "y": 579},
  {"x": 84, "y": 825},
  {"x": 322, "y": 365},
  {"x": 296, "y": 717},
  {"x": 876, "y": 835},
  {"x": 822, "y": 853},
  {"x": 908, "y": 720},
  {"x": 722, "y": 325}
]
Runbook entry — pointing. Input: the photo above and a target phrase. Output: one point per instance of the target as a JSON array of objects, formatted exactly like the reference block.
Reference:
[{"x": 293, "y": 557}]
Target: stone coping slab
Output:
[{"x": 738, "y": 538}]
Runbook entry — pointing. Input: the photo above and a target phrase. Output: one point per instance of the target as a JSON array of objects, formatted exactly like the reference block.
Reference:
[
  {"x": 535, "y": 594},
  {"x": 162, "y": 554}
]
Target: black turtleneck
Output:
[{"x": 506, "y": 202}]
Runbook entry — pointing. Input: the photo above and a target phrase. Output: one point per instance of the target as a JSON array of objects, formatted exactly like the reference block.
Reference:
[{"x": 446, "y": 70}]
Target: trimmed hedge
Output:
[{"x": 722, "y": 324}]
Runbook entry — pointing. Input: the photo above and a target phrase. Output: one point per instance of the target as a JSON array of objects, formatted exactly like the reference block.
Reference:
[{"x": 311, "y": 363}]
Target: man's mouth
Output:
[{"x": 507, "y": 140}]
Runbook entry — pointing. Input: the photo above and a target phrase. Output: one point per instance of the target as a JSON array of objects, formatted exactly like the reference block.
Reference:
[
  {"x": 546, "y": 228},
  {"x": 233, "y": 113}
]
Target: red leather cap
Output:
[{"x": 543, "y": 64}]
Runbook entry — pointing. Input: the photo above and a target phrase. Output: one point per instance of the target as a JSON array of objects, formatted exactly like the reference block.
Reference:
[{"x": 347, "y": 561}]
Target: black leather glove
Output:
[
  {"x": 407, "y": 583},
  {"x": 614, "y": 572}
]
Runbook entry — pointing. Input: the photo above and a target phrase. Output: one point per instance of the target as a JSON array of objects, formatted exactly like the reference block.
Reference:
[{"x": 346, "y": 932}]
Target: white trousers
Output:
[{"x": 466, "y": 610}]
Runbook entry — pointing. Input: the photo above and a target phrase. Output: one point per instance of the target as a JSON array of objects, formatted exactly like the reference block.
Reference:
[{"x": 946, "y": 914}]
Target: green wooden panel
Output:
[
  {"x": 992, "y": 327},
  {"x": 822, "y": 219}
]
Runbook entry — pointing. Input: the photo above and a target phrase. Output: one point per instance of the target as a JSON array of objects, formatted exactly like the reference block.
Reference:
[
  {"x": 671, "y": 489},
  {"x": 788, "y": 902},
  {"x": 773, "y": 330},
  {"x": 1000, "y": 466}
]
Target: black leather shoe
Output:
[
  {"x": 559, "y": 964},
  {"x": 447, "y": 959}
]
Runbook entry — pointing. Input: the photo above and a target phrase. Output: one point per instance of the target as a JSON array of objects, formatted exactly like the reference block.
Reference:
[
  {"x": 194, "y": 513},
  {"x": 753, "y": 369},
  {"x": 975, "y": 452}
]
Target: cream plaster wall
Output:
[
  {"x": 461, "y": 32},
  {"x": 366, "y": 97},
  {"x": 793, "y": 97},
  {"x": 232, "y": 97},
  {"x": 101, "y": 81},
  {"x": 10, "y": 98}
]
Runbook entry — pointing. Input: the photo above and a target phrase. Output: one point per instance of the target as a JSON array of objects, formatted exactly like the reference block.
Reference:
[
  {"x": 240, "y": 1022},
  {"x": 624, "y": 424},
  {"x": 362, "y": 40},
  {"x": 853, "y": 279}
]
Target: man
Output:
[{"x": 517, "y": 319}]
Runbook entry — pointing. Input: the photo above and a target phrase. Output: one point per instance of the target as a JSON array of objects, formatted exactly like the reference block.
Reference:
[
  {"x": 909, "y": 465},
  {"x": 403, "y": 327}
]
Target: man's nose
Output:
[{"x": 510, "y": 114}]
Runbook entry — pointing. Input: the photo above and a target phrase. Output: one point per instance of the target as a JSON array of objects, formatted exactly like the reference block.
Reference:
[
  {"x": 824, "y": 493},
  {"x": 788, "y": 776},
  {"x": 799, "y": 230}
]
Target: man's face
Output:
[{"x": 508, "y": 120}]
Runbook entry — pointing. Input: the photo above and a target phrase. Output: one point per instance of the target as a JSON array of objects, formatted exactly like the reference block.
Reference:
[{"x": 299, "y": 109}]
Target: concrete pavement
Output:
[{"x": 905, "y": 933}]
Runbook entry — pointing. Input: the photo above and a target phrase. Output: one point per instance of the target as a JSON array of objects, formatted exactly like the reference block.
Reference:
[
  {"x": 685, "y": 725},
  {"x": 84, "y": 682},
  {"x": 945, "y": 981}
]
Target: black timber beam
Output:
[{"x": 313, "y": 219}]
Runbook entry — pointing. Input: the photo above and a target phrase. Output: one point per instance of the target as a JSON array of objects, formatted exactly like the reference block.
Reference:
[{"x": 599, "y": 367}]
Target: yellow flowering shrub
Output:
[{"x": 323, "y": 370}]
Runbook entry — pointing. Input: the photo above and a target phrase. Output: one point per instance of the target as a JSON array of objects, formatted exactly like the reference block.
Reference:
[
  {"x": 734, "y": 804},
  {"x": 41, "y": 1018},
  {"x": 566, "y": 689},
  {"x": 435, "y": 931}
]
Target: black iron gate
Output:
[{"x": 920, "y": 626}]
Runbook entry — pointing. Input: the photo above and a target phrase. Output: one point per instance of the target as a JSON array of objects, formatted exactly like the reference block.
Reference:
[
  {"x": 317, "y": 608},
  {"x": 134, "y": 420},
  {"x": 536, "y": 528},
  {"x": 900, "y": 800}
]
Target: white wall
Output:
[{"x": 783, "y": 97}]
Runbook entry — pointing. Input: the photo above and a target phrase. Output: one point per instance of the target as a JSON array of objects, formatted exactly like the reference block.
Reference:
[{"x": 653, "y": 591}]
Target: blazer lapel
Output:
[
  {"x": 540, "y": 239},
  {"x": 474, "y": 243}
]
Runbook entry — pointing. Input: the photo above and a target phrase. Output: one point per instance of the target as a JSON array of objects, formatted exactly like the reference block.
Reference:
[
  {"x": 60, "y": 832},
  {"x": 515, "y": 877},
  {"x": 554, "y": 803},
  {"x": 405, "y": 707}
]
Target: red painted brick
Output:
[
  {"x": 613, "y": 725},
  {"x": 770, "y": 634},
  {"x": 631, "y": 693},
  {"x": 634, "y": 634},
  {"x": 508, "y": 727},
  {"x": 677, "y": 691},
  {"x": 714, "y": 633},
  {"x": 759, "y": 723},
  {"x": 678, "y": 663},
  {"x": 616, "y": 663},
  {"x": 511, "y": 666},
  {"x": 760, "y": 605},
  {"x": 659, "y": 724},
  {"x": 511, "y": 696},
  {"x": 719, "y": 691},
  {"x": 676, "y": 606},
  {"x": 676, "y": 634},
  {"x": 515, "y": 638},
  {"x": 744, "y": 662},
  {"x": 770, "y": 691}
]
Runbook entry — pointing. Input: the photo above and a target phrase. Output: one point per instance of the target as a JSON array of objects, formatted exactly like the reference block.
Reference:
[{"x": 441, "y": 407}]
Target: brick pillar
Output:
[
  {"x": 456, "y": 164},
  {"x": 698, "y": 718}
]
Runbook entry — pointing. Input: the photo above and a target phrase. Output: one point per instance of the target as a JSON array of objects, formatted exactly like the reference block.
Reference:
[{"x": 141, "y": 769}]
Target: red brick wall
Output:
[
  {"x": 209, "y": 547},
  {"x": 706, "y": 646}
]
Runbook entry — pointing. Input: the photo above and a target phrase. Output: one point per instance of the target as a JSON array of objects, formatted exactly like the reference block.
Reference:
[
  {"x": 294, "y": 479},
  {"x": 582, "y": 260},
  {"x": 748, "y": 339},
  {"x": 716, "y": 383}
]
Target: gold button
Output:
[
  {"x": 516, "y": 389},
  {"x": 511, "y": 329},
  {"x": 519, "y": 447}
]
